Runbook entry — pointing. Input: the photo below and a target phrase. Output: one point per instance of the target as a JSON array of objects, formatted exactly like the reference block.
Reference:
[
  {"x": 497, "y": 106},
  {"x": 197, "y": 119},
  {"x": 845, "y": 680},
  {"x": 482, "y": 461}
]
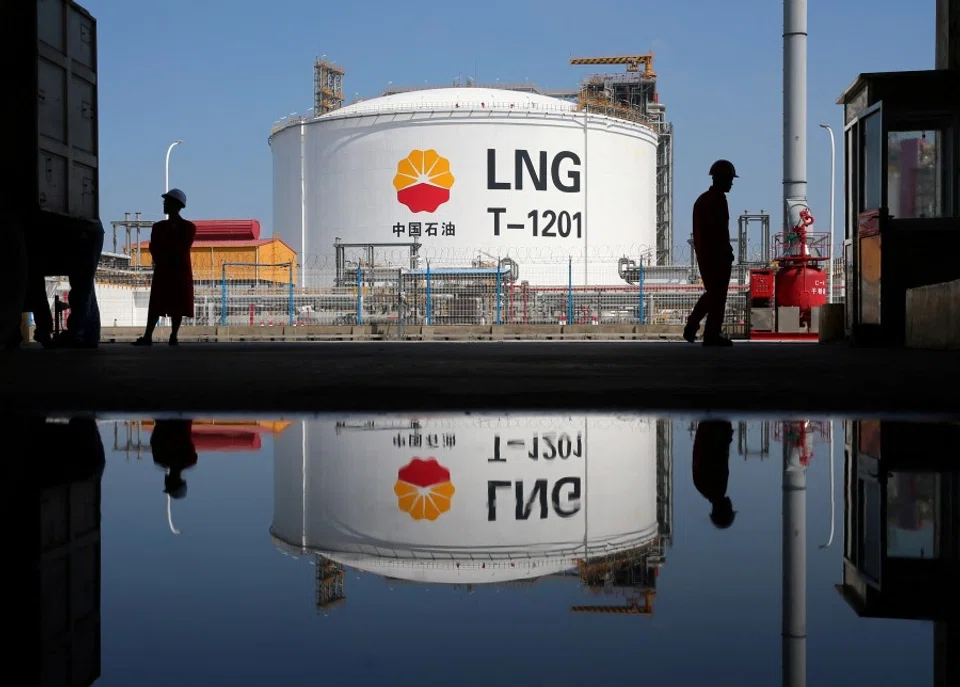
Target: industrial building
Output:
[
  {"x": 235, "y": 245},
  {"x": 479, "y": 500}
]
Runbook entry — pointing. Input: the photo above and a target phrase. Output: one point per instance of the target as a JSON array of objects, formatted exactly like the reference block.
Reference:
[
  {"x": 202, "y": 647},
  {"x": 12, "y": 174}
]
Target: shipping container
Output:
[{"x": 51, "y": 108}]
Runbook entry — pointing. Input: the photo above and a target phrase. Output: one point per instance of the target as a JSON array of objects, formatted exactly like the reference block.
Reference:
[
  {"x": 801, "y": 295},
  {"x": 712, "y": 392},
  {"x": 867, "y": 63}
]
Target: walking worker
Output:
[
  {"x": 711, "y": 241},
  {"x": 171, "y": 292}
]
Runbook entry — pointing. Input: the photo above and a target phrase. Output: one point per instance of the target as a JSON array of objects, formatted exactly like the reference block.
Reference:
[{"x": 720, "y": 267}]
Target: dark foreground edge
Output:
[{"x": 581, "y": 376}]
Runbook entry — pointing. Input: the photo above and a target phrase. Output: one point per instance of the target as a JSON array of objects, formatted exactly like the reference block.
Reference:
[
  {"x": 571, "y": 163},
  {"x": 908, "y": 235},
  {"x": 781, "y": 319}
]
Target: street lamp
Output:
[
  {"x": 833, "y": 187},
  {"x": 167, "y": 177}
]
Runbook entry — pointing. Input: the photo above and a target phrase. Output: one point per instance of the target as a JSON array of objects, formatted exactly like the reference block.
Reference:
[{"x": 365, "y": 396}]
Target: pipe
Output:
[
  {"x": 833, "y": 497},
  {"x": 793, "y": 631},
  {"x": 170, "y": 516},
  {"x": 794, "y": 106},
  {"x": 166, "y": 178},
  {"x": 833, "y": 200}
]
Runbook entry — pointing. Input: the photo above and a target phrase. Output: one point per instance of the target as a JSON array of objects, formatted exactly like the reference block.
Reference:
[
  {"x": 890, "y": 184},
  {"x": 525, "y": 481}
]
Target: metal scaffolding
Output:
[
  {"x": 632, "y": 95},
  {"x": 329, "y": 590},
  {"x": 327, "y": 86}
]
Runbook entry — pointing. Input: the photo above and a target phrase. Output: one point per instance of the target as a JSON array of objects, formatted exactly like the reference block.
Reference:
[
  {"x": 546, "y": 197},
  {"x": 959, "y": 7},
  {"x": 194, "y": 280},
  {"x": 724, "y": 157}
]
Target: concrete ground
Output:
[{"x": 503, "y": 376}]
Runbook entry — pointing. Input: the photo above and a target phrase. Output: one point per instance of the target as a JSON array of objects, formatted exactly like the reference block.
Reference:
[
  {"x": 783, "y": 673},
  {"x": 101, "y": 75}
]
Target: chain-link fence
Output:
[{"x": 484, "y": 290}]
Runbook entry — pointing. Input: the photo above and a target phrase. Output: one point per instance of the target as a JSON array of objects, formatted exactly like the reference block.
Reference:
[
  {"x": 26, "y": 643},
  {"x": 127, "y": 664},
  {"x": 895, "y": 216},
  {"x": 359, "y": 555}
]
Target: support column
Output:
[
  {"x": 948, "y": 34},
  {"x": 794, "y": 591}
]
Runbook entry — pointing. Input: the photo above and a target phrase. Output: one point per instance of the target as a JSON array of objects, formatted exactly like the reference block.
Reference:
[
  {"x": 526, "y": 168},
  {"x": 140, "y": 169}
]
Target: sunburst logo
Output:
[
  {"x": 423, "y": 180},
  {"x": 424, "y": 489}
]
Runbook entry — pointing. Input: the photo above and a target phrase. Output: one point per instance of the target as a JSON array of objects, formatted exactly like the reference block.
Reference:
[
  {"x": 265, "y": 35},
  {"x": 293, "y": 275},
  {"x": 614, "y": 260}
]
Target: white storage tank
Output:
[
  {"x": 467, "y": 500},
  {"x": 468, "y": 172}
]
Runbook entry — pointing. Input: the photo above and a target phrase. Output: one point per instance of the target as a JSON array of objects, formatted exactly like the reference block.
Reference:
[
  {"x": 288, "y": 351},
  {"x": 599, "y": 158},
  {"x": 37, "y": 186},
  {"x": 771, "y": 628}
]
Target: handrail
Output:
[{"x": 519, "y": 108}]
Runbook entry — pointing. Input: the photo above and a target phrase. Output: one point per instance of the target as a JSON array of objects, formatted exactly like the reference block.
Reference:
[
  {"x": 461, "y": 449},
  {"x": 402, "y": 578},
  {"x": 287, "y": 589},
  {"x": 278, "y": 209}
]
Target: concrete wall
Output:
[{"x": 933, "y": 316}]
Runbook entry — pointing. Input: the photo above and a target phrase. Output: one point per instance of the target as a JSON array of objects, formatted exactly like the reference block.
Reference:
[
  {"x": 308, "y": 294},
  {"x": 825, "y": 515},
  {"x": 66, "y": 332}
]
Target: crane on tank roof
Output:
[{"x": 633, "y": 62}]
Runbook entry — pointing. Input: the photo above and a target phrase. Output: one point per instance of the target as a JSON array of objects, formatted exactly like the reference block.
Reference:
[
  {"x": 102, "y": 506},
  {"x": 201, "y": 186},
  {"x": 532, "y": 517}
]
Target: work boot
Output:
[
  {"x": 690, "y": 333},
  {"x": 717, "y": 341}
]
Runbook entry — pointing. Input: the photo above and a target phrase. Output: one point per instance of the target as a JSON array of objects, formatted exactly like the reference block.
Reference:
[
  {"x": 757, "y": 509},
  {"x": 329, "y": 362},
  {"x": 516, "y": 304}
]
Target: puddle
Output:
[{"x": 517, "y": 549}]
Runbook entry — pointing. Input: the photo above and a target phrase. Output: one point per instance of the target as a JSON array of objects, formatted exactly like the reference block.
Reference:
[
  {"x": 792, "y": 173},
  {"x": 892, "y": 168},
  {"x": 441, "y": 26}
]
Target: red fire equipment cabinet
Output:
[
  {"x": 761, "y": 300},
  {"x": 901, "y": 150}
]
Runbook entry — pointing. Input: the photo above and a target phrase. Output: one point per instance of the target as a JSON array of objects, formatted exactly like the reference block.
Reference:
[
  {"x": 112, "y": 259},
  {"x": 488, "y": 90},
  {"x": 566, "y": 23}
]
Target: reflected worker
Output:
[
  {"x": 171, "y": 292},
  {"x": 711, "y": 242},
  {"x": 711, "y": 468},
  {"x": 171, "y": 444}
]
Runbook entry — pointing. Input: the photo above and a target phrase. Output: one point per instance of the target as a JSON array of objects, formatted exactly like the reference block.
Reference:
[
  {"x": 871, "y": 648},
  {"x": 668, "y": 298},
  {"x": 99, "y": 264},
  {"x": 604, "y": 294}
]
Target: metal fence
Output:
[{"x": 478, "y": 294}]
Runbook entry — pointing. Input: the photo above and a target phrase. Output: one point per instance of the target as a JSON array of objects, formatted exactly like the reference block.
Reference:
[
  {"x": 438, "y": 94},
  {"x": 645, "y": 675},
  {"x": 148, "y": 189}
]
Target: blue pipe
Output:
[
  {"x": 223, "y": 294},
  {"x": 359, "y": 296},
  {"x": 429, "y": 297},
  {"x": 291, "y": 294}
]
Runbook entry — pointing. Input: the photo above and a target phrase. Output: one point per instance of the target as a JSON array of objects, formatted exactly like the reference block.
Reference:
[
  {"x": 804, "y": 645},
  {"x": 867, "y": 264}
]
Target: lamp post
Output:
[
  {"x": 167, "y": 167},
  {"x": 833, "y": 198}
]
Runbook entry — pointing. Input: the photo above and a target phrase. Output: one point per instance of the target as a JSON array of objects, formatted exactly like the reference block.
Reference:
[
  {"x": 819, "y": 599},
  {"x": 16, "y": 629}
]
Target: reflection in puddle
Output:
[{"x": 478, "y": 502}]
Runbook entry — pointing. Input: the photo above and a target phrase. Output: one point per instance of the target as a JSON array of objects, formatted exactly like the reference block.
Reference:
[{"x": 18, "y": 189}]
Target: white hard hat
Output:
[{"x": 177, "y": 195}]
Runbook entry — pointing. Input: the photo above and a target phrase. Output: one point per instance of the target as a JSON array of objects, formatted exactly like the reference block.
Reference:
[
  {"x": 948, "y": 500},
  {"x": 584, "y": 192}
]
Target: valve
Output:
[{"x": 806, "y": 218}]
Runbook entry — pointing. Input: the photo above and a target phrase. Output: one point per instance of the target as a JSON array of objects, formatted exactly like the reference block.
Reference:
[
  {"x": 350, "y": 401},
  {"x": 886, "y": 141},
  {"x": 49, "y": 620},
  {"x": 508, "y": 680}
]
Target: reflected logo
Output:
[
  {"x": 424, "y": 489},
  {"x": 423, "y": 180}
]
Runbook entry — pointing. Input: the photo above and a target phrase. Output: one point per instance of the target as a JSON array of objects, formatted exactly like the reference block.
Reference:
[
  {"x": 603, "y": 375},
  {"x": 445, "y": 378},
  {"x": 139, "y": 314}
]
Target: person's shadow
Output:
[
  {"x": 711, "y": 468},
  {"x": 172, "y": 447}
]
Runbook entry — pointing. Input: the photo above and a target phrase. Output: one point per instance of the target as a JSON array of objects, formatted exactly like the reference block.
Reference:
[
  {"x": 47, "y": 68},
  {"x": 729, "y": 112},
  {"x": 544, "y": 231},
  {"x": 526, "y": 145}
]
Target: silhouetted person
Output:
[
  {"x": 13, "y": 280},
  {"x": 171, "y": 293},
  {"x": 36, "y": 302},
  {"x": 172, "y": 447},
  {"x": 711, "y": 241},
  {"x": 71, "y": 247},
  {"x": 83, "y": 322},
  {"x": 711, "y": 468}
]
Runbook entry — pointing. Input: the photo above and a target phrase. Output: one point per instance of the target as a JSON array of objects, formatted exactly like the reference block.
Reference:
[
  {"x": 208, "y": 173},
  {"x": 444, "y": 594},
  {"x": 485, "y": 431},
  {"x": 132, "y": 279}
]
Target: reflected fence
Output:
[{"x": 494, "y": 292}]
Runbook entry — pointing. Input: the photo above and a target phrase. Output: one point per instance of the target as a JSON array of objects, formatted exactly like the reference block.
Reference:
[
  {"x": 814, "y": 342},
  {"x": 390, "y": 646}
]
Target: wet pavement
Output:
[
  {"x": 496, "y": 548},
  {"x": 612, "y": 376}
]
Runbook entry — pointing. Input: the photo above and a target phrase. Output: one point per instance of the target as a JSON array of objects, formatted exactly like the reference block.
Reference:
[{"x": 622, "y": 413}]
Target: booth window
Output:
[
  {"x": 912, "y": 507},
  {"x": 871, "y": 168},
  {"x": 915, "y": 174}
]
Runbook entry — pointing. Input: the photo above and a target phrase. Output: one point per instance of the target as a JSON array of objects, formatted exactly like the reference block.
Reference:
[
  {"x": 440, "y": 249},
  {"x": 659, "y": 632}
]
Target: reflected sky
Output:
[{"x": 211, "y": 541}]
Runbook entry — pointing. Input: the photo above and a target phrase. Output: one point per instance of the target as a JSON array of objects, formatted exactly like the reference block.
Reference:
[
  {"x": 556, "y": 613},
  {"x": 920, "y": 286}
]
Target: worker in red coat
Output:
[
  {"x": 171, "y": 444},
  {"x": 171, "y": 293},
  {"x": 711, "y": 241}
]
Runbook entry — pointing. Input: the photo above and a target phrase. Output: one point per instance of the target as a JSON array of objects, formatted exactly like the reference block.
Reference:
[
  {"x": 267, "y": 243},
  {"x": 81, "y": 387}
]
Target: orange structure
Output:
[{"x": 238, "y": 244}]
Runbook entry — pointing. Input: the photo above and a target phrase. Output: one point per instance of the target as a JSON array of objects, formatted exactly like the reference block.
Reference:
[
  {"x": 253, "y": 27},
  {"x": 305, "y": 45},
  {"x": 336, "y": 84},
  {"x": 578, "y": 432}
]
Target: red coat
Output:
[{"x": 171, "y": 293}]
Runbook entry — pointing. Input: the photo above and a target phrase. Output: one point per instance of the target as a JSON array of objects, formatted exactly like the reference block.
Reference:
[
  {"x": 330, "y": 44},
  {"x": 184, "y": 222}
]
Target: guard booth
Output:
[
  {"x": 901, "y": 531},
  {"x": 902, "y": 186}
]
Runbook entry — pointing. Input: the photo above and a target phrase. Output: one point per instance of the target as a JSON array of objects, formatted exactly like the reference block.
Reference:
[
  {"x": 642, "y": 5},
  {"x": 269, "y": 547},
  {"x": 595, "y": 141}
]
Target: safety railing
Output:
[{"x": 534, "y": 290}]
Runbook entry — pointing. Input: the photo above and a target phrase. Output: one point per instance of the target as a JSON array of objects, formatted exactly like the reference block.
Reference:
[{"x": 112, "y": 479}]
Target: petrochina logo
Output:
[
  {"x": 423, "y": 180},
  {"x": 424, "y": 489}
]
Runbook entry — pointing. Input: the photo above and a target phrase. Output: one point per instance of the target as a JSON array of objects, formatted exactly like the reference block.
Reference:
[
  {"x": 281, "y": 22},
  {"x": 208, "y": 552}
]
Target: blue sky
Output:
[{"x": 218, "y": 73}]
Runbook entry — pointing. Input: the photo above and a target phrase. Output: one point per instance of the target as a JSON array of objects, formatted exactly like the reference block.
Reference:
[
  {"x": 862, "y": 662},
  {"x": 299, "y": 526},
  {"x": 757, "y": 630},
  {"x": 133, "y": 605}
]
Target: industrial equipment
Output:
[{"x": 785, "y": 302}]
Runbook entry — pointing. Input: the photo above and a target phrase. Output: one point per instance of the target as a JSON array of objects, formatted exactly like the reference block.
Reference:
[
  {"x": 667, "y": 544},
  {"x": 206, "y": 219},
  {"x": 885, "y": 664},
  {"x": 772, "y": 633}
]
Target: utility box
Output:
[
  {"x": 762, "y": 286},
  {"x": 788, "y": 319},
  {"x": 762, "y": 319}
]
